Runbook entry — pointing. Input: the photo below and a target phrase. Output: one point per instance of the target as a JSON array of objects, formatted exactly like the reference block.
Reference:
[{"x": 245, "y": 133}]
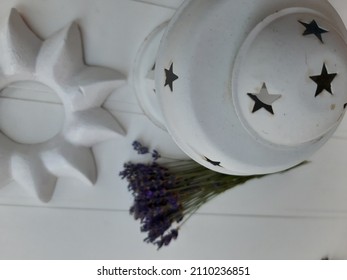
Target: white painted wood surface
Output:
[{"x": 298, "y": 215}]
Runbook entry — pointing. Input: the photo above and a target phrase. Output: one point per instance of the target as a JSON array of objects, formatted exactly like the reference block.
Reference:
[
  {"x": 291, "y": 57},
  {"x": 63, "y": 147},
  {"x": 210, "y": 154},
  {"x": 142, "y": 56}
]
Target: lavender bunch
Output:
[{"x": 167, "y": 194}]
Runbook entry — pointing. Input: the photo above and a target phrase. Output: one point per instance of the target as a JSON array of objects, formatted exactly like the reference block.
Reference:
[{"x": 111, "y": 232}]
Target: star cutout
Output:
[
  {"x": 324, "y": 81},
  {"x": 215, "y": 163},
  {"x": 170, "y": 77},
  {"x": 264, "y": 100},
  {"x": 313, "y": 28}
]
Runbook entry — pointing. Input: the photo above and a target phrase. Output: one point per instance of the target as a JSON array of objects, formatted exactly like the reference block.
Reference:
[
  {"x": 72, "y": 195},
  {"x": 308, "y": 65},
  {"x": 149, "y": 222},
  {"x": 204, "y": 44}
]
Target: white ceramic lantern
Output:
[{"x": 247, "y": 86}]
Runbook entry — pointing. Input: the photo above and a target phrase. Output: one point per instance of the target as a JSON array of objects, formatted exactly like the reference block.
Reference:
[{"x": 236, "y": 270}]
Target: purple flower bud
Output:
[{"x": 141, "y": 150}]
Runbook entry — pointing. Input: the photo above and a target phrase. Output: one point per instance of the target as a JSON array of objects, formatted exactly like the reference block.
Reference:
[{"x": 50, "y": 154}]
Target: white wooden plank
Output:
[{"x": 43, "y": 233}]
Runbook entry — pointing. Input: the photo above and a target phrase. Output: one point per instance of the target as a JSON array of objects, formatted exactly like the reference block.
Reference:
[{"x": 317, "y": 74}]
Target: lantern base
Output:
[{"x": 143, "y": 77}]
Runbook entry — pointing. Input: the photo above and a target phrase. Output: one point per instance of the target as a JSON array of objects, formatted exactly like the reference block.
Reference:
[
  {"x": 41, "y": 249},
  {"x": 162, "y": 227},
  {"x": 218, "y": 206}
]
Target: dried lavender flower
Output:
[
  {"x": 167, "y": 194},
  {"x": 141, "y": 150}
]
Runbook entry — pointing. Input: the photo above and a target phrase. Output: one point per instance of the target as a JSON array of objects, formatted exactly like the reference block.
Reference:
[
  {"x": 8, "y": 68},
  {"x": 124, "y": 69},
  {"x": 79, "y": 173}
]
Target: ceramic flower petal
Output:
[
  {"x": 95, "y": 85},
  {"x": 30, "y": 173},
  {"x": 94, "y": 126},
  {"x": 61, "y": 55},
  {"x": 71, "y": 161},
  {"x": 18, "y": 47}
]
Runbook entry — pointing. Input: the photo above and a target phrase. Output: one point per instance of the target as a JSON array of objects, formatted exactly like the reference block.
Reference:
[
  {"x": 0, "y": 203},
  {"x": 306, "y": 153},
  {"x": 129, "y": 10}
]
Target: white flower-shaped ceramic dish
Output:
[{"x": 58, "y": 64}]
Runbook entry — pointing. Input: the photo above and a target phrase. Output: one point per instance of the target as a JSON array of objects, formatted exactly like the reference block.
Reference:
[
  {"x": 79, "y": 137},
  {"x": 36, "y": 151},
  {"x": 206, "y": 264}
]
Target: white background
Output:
[{"x": 299, "y": 215}]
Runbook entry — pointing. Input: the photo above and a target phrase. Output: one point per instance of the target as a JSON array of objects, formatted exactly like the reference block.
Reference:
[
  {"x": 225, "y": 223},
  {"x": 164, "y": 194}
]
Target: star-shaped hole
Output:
[
  {"x": 324, "y": 81},
  {"x": 171, "y": 77},
  {"x": 264, "y": 100},
  {"x": 215, "y": 163},
  {"x": 313, "y": 28}
]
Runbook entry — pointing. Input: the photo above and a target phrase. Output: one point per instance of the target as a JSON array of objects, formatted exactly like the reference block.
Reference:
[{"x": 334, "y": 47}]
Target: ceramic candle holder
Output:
[
  {"x": 246, "y": 86},
  {"x": 56, "y": 63}
]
